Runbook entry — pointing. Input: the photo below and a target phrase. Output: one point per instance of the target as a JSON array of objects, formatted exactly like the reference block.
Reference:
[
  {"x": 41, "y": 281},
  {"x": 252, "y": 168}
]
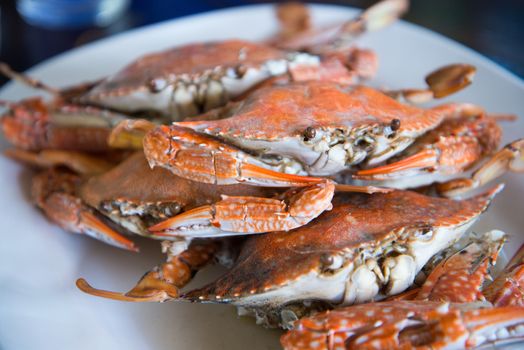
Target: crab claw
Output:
[
  {"x": 487, "y": 325},
  {"x": 54, "y": 194},
  {"x": 163, "y": 282},
  {"x": 406, "y": 325},
  {"x": 90, "y": 225},
  {"x": 510, "y": 158},
  {"x": 235, "y": 215},
  {"x": 199, "y": 157},
  {"x": 424, "y": 159}
]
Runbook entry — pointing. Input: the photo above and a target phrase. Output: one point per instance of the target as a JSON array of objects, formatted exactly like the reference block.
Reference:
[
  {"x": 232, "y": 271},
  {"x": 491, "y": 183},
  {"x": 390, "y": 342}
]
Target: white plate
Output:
[{"x": 40, "y": 307}]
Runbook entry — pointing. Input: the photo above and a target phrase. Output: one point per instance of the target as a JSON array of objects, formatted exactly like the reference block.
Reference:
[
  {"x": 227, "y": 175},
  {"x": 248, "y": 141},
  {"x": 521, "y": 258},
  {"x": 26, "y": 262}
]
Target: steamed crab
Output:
[
  {"x": 104, "y": 200},
  {"x": 451, "y": 310},
  {"x": 192, "y": 78},
  {"x": 281, "y": 135},
  {"x": 366, "y": 246}
]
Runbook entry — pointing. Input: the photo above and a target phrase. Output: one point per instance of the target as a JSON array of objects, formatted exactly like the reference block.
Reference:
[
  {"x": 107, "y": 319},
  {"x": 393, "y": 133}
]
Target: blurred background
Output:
[{"x": 33, "y": 30}]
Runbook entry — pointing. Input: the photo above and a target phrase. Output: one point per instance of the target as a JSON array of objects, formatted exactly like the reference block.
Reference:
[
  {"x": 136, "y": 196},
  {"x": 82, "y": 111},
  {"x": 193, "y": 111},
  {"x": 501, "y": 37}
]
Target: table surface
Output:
[{"x": 493, "y": 28}]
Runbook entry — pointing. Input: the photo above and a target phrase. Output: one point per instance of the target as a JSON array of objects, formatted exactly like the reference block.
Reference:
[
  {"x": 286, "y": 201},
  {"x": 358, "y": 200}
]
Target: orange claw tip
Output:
[
  {"x": 94, "y": 227},
  {"x": 154, "y": 296},
  {"x": 420, "y": 160}
]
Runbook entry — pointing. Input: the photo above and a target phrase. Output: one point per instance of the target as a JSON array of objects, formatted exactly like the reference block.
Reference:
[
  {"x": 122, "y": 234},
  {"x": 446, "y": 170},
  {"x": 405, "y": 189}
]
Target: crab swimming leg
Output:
[
  {"x": 54, "y": 193},
  {"x": 164, "y": 281},
  {"x": 199, "y": 157}
]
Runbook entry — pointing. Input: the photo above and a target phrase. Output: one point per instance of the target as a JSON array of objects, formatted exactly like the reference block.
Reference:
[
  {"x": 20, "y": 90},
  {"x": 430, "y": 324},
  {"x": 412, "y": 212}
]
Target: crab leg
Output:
[
  {"x": 33, "y": 125},
  {"x": 78, "y": 162},
  {"x": 164, "y": 281},
  {"x": 34, "y": 83},
  {"x": 61, "y": 94},
  {"x": 54, "y": 194}
]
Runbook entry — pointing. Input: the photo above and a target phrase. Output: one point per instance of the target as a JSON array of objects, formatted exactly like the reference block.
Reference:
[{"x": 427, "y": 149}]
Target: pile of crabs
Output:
[{"x": 316, "y": 191}]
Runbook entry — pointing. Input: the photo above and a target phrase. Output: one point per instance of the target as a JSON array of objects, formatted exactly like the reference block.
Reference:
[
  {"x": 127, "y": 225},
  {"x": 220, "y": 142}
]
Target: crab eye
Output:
[
  {"x": 395, "y": 124},
  {"x": 309, "y": 133}
]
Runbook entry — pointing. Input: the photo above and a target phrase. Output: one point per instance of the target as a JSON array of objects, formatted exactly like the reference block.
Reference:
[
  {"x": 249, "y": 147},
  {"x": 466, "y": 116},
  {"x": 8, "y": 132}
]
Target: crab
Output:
[
  {"x": 64, "y": 123},
  {"x": 282, "y": 135},
  {"x": 364, "y": 248},
  {"x": 451, "y": 310},
  {"x": 196, "y": 77},
  {"x": 105, "y": 201}
]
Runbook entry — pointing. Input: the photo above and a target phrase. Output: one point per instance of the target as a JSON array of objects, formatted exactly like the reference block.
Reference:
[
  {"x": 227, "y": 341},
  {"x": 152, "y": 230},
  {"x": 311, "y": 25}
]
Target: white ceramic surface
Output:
[{"x": 40, "y": 307}]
